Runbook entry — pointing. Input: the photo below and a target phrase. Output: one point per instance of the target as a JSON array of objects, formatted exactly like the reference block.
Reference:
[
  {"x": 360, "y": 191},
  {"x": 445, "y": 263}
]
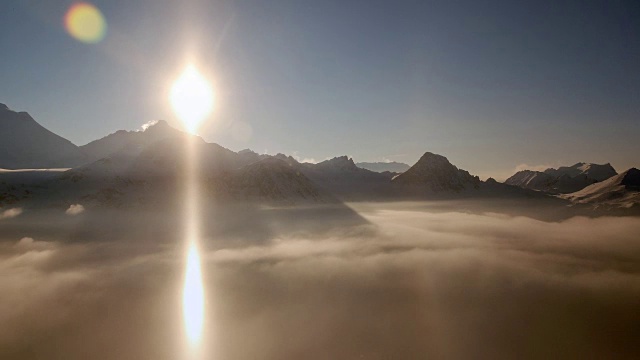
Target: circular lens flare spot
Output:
[
  {"x": 85, "y": 23},
  {"x": 191, "y": 98}
]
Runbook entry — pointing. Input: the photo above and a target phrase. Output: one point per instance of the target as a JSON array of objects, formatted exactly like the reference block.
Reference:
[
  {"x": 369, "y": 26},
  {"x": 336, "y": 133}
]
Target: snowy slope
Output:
[
  {"x": 566, "y": 179},
  {"x": 620, "y": 191}
]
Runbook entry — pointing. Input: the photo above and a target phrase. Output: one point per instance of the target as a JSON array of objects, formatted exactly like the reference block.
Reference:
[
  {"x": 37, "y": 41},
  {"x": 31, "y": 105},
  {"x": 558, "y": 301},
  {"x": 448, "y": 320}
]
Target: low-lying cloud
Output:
[
  {"x": 75, "y": 209},
  {"x": 10, "y": 213},
  {"x": 412, "y": 284}
]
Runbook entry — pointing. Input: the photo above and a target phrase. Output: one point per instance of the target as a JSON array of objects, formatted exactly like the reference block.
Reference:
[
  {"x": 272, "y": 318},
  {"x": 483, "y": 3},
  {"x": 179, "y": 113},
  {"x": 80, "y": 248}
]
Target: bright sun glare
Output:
[
  {"x": 192, "y": 98},
  {"x": 193, "y": 296}
]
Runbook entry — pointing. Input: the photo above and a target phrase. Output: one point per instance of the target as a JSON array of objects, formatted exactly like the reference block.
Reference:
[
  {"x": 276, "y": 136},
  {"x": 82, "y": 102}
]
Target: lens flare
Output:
[
  {"x": 193, "y": 297},
  {"x": 191, "y": 98},
  {"x": 85, "y": 23}
]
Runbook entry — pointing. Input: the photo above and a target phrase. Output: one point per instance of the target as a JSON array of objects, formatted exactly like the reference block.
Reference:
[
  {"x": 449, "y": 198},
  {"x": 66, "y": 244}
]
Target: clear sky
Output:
[{"x": 490, "y": 84}]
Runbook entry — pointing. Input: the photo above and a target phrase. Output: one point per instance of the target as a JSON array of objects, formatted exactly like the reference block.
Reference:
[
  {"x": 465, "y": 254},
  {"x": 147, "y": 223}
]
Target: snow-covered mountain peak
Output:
[{"x": 597, "y": 172}]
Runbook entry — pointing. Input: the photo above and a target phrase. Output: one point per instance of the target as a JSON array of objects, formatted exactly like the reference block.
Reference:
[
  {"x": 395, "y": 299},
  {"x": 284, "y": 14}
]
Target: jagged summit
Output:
[
  {"x": 339, "y": 163},
  {"x": 274, "y": 180},
  {"x": 435, "y": 173},
  {"x": 288, "y": 159},
  {"x": 597, "y": 172},
  {"x": 564, "y": 180}
]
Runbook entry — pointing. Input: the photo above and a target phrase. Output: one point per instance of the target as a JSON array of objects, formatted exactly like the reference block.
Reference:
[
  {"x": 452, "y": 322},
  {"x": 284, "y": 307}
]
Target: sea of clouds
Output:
[{"x": 409, "y": 283}]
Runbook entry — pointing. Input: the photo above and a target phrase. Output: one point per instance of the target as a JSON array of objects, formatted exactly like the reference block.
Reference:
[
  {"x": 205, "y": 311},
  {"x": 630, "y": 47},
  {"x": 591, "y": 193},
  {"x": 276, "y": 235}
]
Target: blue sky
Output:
[{"x": 490, "y": 84}]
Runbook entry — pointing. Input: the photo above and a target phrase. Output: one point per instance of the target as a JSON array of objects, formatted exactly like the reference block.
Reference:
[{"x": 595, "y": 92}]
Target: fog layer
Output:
[{"x": 411, "y": 283}]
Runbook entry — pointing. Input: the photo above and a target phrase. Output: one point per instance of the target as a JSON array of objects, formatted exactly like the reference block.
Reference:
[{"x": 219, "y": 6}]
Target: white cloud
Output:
[
  {"x": 148, "y": 124},
  {"x": 301, "y": 159},
  {"x": 10, "y": 213},
  {"x": 75, "y": 209}
]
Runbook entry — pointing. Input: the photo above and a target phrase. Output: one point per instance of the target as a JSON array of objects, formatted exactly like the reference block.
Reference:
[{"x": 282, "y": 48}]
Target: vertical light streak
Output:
[
  {"x": 193, "y": 299},
  {"x": 191, "y": 98},
  {"x": 193, "y": 292}
]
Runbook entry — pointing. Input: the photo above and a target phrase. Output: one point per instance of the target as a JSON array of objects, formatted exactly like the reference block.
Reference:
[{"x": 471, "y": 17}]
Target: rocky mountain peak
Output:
[
  {"x": 435, "y": 173},
  {"x": 339, "y": 163},
  {"x": 631, "y": 178}
]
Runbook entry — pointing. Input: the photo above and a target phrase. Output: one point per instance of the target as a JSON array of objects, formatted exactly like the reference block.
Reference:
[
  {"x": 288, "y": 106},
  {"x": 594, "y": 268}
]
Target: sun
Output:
[{"x": 191, "y": 98}]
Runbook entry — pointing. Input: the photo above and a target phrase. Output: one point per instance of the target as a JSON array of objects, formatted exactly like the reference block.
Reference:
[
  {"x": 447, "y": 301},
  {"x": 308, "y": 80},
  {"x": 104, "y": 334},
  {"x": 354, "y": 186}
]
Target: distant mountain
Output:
[
  {"x": 26, "y": 144},
  {"x": 566, "y": 179},
  {"x": 380, "y": 167},
  {"x": 435, "y": 174},
  {"x": 147, "y": 168},
  {"x": 152, "y": 176},
  {"x": 592, "y": 171},
  {"x": 132, "y": 140},
  {"x": 272, "y": 179},
  {"x": 341, "y": 176},
  {"x": 248, "y": 156},
  {"x": 621, "y": 191}
]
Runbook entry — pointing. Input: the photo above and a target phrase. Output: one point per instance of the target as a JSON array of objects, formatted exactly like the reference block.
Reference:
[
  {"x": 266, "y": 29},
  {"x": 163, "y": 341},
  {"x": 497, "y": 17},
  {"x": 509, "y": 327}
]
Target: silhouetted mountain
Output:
[
  {"x": 274, "y": 180},
  {"x": 341, "y": 176},
  {"x": 621, "y": 191},
  {"x": 147, "y": 168},
  {"x": 248, "y": 156},
  {"x": 26, "y": 144},
  {"x": 563, "y": 180},
  {"x": 153, "y": 175},
  {"x": 392, "y": 167},
  {"x": 592, "y": 171},
  {"x": 131, "y": 140},
  {"x": 435, "y": 174}
]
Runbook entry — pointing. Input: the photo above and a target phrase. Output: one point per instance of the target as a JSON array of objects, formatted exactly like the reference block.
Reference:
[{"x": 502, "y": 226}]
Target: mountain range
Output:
[
  {"x": 564, "y": 180},
  {"x": 392, "y": 166},
  {"x": 145, "y": 168}
]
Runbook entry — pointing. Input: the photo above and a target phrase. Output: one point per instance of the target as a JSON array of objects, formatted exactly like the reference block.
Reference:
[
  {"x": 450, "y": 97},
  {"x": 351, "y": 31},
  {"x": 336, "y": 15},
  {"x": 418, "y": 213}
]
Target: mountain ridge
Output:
[
  {"x": 24, "y": 143},
  {"x": 131, "y": 166}
]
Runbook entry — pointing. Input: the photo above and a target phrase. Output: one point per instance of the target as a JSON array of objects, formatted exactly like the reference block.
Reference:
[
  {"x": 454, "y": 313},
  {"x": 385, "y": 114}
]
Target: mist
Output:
[{"x": 404, "y": 281}]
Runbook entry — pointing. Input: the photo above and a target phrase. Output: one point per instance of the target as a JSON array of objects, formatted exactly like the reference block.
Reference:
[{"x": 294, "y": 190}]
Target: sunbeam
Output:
[
  {"x": 193, "y": 296},
  {"x": 192, "y": 100}
]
